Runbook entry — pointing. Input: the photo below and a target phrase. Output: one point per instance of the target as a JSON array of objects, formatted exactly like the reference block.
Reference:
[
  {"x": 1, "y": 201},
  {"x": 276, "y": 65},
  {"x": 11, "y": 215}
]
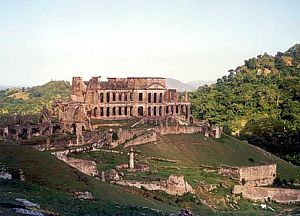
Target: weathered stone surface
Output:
[
  {"x": 178, "y": 130},
  {"x": 255, "y": 175},
  {"x": 78, "y": 89},
  {"x": 280, "y": 195},
  {"x": 86, "y": 195},
  {"x": 27, "y": 203},
  {"x": 85, "y": 166},
  {"x": 124, "y": 98},
  {"x": 175, "y": 185},
  {"x": 11, "y": 173},
  {"x": 183, "y": 212},
  {"x": 5, "y": 175},
  {"x": 112, "y": 175},
  {"x": 146, "y": 137},
  {"x": 28, "y": 212}
]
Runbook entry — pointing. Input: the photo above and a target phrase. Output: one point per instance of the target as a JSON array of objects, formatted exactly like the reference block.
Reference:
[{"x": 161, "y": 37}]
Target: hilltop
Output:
[
  {"x": 32, "y": 99},
  {"x": 258, "y": 101}
]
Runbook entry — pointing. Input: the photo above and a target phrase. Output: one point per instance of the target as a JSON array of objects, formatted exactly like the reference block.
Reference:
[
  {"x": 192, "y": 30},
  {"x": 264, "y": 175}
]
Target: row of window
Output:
[
  {"x": 152, "y": 111},
  {"x": 128, "y": 96},
  {"x": 156, "y": 97},
  {"x": 122, "y": 96},
  {"x": 113, "y": 112}
]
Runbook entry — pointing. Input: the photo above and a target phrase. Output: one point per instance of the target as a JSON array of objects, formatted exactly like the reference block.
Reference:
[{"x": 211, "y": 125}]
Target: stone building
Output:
[
  {"x": 119, "y": 98},
  {"x": 259, "y": 175}
]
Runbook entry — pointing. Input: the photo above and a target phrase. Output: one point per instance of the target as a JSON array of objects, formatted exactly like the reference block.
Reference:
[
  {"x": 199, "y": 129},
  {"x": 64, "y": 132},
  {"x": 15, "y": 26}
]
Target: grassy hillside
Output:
[
  {"x": 193, "y": 150},
  {"x": 258, "y": 102},
  {"x": 52, "y": 183},
  {"x": 32, "y": 99},
  {"x": 192, "y": 155}
]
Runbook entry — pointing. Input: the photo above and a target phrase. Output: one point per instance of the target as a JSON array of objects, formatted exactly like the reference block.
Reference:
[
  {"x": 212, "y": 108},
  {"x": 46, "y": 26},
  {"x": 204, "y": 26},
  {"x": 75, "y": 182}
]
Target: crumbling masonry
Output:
[{"x": 120, "y": 98}]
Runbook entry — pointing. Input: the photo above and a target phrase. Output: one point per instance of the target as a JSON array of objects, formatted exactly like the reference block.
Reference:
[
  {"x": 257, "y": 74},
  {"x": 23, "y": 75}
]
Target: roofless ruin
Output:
[{"x": 121, "y": 98}]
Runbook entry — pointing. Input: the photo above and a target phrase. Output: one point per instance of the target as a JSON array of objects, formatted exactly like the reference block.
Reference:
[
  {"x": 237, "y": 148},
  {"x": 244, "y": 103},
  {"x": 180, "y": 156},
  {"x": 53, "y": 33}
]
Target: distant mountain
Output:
[
  {"x": 190, "y": 86},
  {"x": 174, "y": 83},
  {"x": 197, "y": 83},
  {"x": 4, "y": 87}
]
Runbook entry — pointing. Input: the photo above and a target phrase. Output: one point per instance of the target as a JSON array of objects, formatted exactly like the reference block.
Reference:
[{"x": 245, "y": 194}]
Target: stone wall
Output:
[
  {"x": 175, "y": 185},
  {"x": 231, "y": 172},
  {"x": 258, "y": 175},
  {"x": 280, "y": 195},
  {"x": 123, "y": 135},
  {"x": 147, "y": 137},
  {"x": 255, "y": 175},
  {"x": 178, "y": 130},
  {"x": 85, "y": 166}
]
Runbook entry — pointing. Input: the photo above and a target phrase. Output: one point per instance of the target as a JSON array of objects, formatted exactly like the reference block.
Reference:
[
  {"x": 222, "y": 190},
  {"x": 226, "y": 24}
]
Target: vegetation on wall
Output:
[{"x": 258, "y": 101}]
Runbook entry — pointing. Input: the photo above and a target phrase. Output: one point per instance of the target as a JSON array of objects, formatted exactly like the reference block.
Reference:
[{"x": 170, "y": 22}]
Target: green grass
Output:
[
  {"x": 44, "y": 172},
  {"x": 195, "y": 150},
  {"x": 104, "y": 160},
  {"x": 52, "y": 183}
]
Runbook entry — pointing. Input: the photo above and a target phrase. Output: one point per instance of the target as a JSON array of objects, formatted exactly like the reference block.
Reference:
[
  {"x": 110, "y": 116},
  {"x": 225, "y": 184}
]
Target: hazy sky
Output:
[{"x": 187, "y": 40}]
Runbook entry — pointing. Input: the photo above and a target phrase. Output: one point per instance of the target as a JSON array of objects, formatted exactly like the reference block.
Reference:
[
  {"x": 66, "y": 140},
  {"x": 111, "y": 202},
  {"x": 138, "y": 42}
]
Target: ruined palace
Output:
[
  {"x": 119, "y": 98},
  {"x": 145, "y": 100}
]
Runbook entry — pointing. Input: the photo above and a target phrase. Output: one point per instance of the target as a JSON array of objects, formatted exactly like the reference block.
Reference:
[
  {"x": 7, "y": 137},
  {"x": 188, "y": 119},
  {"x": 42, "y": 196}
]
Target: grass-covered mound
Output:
[
  {"x": 52, "y": 184},
  {"x": 195, "y": 150}
]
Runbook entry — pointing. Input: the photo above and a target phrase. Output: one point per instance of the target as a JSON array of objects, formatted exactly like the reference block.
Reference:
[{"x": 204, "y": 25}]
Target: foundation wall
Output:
[{"x": 280, "y": 195}]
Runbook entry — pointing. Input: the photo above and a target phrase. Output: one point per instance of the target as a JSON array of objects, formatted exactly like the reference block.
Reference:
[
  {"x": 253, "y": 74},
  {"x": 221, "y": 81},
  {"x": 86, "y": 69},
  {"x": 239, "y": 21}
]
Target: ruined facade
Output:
[
  {"x": 119, "y": 98},
  {"x": 19, "y": 127},
  {"x": 253, "y": 181},
  {"x": 261, "y": 175}
]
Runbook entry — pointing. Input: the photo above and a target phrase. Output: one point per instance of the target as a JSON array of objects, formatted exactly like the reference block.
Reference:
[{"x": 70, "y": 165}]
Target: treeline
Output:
[
  {"x": 259, "y": 102},
  {"x": 32, "y": 100}
]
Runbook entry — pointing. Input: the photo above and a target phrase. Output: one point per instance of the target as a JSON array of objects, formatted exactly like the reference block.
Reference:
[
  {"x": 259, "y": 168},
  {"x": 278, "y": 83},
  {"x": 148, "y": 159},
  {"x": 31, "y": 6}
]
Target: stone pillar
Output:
[
  {"x": 206, "y": 132},
  {"x": 122, "y": 96},
  {"x": 188, "y": 111},
  {"x": 218, "y": 132},
  {"x": 104, "y": 97},
  {"x": 51, "y": 130},
  {"x": 79, "y": 134},
  {"x": 186, "y": 96},
  {"x": 151, "y": 111},
  {"x": 102, "y": 176},
  {"x": 17, "y": 133},
  {"x": 128, "y": 95},
  {"x": 131, "y": 159},
  {"x": 135, "y": 96},
  {"x": 175, "y": 96},
  {"x": 29, "y": 133},
  {"x": 96, "y": 97},
  {"x": 173, "y": 109},
  {"x": 5, "y": 132}
]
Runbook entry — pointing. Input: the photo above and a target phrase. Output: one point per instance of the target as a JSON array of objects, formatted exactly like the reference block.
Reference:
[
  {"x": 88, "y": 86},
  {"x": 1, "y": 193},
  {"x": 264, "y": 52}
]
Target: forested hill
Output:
[
  {"x": 259, "y": 101},
  {"x": 32, "y": 100}
]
